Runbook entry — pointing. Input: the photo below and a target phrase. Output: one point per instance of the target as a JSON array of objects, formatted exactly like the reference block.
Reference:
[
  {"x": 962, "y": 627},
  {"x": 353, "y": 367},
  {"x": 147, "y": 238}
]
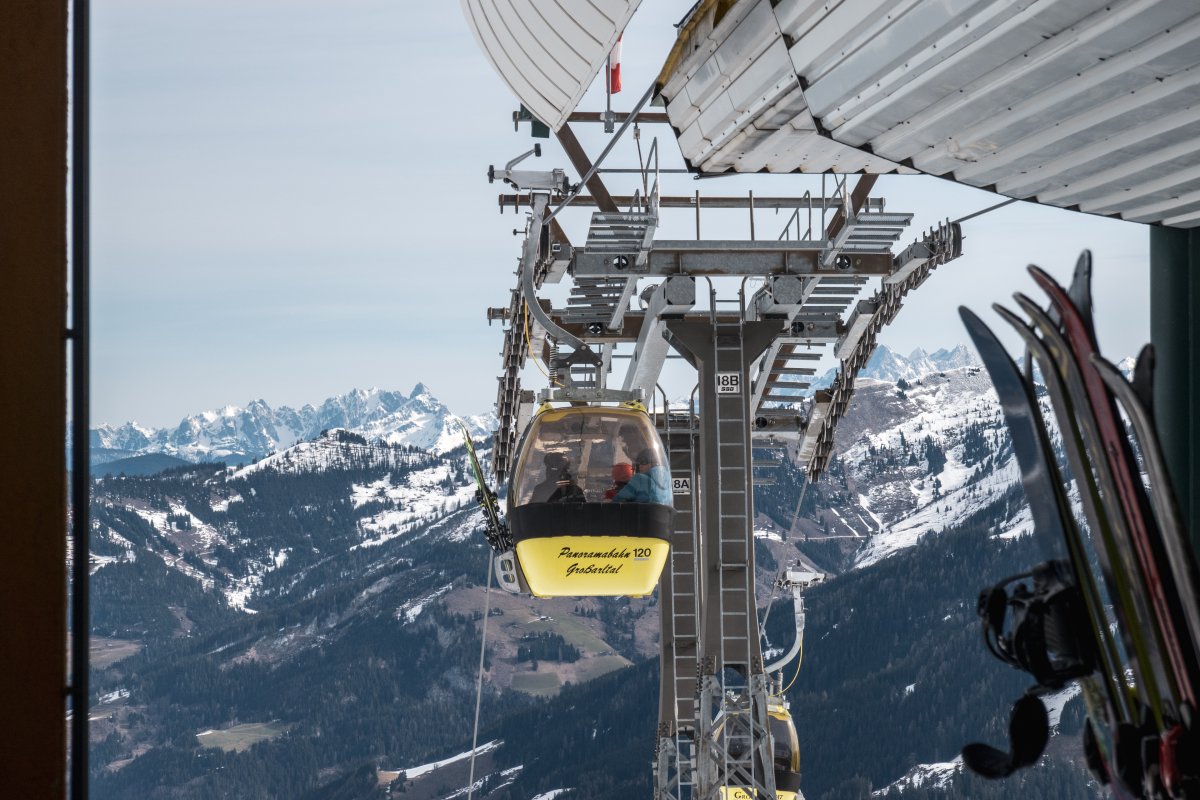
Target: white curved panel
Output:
[
  {"x": 548, "y": 51},
  {"x": 1088, "y": 104}
]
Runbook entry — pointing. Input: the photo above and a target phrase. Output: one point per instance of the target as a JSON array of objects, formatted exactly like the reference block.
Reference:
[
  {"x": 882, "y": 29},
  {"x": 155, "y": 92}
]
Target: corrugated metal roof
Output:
[
  {"x": 737, "y": 103},
  {"x": 1075, "y": 103},
  {"x": 548, "y": 51}
]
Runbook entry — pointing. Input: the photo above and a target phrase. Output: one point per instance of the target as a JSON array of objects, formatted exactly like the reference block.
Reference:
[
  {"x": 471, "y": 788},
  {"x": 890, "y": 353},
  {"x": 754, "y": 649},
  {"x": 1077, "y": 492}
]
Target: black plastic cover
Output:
[{"x": 542, "y": 520}]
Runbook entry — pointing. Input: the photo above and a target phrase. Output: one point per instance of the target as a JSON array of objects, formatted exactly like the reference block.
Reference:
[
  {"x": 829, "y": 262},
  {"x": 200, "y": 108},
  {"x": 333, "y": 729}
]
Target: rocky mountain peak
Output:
[{"x": 238, "y": 435}]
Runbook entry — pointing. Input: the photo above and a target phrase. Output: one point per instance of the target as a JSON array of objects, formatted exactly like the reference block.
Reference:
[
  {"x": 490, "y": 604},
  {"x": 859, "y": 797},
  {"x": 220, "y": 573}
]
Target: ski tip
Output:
[
  {"x": 1083, "y": 268},
  {"x": 1144, "y": 365},
  {"x": 1028, "y": 305},
  {"x": 1080, "y": 290},
  {"x": 1044, "y": 279},
  {"x": 975, "y": 325},
  {"x": 985, "y": 339},
  {"x": 1108, "y": 371},
  {"x": 1006, "y": 313},
  {"x": 1013, "y": 318}
]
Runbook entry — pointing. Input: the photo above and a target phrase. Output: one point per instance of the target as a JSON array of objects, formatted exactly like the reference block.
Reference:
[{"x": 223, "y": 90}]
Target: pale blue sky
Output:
[{"x": 289, "y": 201}]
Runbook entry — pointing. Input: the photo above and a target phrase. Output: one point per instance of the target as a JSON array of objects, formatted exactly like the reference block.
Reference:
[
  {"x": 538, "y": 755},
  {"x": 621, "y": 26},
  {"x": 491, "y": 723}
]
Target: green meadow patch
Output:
[
  {"x": 241, "y": 737},
  {"x": 542, "y": 684}
]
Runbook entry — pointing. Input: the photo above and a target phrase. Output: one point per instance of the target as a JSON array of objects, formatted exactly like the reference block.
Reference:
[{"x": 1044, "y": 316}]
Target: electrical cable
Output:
[
  {"x": 487, "y": 612},
  {"x": 799, "y": 661}
]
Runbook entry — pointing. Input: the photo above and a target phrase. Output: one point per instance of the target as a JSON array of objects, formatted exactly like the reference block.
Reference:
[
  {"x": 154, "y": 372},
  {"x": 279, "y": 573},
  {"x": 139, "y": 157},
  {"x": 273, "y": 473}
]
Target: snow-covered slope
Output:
[
  {"x": 921, "y": 451},
  {"x": 238, "y": 435},
  {"x": 199, "y": 524},
  {"x": 926, "y": 457},
  {"x": 886, "y": 364}
]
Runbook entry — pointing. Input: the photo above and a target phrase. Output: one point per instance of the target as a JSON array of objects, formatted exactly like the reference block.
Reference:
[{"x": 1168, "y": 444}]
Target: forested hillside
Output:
[{"x": 895, "y": 675}]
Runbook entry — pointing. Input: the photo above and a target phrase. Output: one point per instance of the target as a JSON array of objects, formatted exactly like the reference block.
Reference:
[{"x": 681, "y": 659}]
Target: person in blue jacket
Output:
[{"x": 650, "y": 482}]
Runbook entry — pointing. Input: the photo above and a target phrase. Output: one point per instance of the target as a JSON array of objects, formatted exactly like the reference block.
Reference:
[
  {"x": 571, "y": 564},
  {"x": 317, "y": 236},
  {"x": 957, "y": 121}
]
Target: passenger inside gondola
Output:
[
  {"x": 630, "y": 441},
  {"x": 559, "y": 483},
  {"x": 566, "y": 489},
  {"x": 649, "y": 484},
  {"x": 555, "y": 464},
  {"x": 621, "y": 473}
]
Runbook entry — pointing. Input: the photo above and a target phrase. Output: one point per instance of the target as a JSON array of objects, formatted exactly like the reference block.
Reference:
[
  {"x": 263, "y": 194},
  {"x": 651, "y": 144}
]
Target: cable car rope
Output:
[
  {"x": 981, "y": 212},
  {"x": 799, "y": 502},
  {"x": 771, "y": 601},
  {"x": 487, "y": 613}
]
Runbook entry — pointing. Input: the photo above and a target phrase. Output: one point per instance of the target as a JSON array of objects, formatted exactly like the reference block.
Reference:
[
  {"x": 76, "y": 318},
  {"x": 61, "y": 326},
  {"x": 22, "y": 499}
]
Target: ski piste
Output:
[
  {"x": 1054, "y": 527},
  {"x": 497, "y": 531},
  {"x": 1163, "y": 596}
]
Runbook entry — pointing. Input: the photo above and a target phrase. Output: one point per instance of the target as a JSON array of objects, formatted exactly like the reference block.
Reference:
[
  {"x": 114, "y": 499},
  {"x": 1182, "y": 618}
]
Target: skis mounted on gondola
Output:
[
  {"x": 496, "y": 531},
  {"x": 1139, "y": 685}
]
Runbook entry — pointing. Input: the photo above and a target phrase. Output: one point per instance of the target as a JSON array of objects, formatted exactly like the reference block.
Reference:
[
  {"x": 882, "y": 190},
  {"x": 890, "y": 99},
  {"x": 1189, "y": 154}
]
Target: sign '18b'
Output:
[{"x": 729, "y": 383}]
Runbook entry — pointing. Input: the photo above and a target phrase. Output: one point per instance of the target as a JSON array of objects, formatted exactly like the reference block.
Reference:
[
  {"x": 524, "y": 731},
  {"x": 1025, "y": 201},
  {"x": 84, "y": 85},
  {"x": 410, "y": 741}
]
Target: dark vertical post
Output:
[
  {"x": 1175, "y": 332},
  {"x": 81, "y": 618},
  {"x": 33, "y": 368}
]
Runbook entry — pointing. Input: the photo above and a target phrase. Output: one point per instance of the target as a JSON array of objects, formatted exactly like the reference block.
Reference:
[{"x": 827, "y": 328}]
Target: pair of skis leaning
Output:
[{"x": 1139, "y": 685}]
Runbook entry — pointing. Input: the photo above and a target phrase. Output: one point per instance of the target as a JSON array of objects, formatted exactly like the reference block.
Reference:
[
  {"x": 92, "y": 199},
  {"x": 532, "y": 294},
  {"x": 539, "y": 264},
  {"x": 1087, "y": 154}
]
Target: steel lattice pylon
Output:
[{"x": 752, "y": 353}]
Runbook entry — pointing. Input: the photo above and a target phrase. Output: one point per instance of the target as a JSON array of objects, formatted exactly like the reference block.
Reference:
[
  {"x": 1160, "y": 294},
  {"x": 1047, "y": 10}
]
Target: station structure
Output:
[
  {"x": 1083, "y": 105},
  {"x": 1090, "y": 105}
]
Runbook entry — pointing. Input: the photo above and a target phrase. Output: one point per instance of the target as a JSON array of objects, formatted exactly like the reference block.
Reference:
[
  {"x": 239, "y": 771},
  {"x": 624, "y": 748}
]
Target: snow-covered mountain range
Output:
[
  {"x": 236, "y": 434},
  {"x": 886, "y": 364}
]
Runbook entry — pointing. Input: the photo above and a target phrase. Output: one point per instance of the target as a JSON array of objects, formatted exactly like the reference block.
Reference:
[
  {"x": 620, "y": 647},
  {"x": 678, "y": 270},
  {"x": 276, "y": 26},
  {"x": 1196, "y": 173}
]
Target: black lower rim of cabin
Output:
[{"x": 546, "y": 520}]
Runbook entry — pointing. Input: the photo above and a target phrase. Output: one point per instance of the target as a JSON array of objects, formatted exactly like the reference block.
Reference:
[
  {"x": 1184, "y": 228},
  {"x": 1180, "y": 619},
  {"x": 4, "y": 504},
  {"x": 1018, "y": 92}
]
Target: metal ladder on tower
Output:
[
  {"x": 732, "y": 749},
  {"x": 675, "y": 758},
  {"x": 742, "y": 735}
]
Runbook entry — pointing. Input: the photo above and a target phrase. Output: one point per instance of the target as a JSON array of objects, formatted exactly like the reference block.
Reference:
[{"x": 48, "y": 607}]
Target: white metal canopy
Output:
[
  {"x": 1088, "y": 104},
  {"x": 548, "y": 51}
]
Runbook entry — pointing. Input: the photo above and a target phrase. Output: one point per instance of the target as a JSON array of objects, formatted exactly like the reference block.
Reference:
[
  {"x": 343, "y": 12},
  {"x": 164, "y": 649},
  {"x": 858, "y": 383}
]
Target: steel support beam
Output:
[
  {"x": 583, "y": 165},
  {"x": 728, "y": 503},
  {"x": 642, "y": 118},
  {"x": 674, "y": 297},
  {"x": 1175, "y": 332},
  {"x": 735, "y": 257},
  {"x": 522, "y": 199}
]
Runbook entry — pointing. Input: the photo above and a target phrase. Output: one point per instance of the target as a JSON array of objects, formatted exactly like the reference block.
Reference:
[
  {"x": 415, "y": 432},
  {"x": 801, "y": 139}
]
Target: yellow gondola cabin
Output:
[
  {"x": 785, "y": 754},
  {"x": 589, "y": 506}
]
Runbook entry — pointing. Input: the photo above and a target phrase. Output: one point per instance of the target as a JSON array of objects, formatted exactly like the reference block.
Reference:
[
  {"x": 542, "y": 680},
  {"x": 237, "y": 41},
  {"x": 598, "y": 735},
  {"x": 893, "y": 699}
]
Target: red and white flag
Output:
[{"x": 614, "y": 67}]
